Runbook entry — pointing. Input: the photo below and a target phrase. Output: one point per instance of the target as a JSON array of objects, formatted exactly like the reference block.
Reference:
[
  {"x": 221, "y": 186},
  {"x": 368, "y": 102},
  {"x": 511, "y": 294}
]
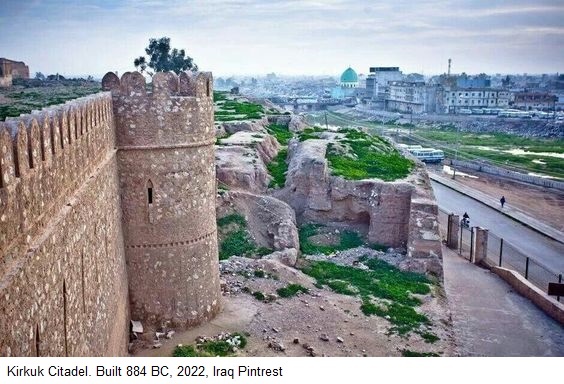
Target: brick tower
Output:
[{"x": 166, "y": 169}]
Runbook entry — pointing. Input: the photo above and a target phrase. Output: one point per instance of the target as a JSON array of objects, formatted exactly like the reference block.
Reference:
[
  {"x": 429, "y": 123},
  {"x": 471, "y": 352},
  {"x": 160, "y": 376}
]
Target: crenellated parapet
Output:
[
  {"x": 174, "y": 110},
  {"x": 165, "y": 135},
  {"x": 44, "y": 157},
  {"x": 127, "y": 174}
]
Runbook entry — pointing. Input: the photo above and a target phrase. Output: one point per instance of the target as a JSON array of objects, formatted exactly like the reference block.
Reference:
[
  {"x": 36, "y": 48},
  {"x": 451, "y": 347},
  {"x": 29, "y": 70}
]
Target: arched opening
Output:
[
  {"x": 208, "y": 87},
  {"x": 150, "y": 200},
  {"x": 149, "y": 192},
  {"x": 37, "y": 343}
]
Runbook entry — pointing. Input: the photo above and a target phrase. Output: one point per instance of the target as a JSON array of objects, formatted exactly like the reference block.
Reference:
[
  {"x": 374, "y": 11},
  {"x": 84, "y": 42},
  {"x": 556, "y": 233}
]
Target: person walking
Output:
[{"x": 502, "y": 201}]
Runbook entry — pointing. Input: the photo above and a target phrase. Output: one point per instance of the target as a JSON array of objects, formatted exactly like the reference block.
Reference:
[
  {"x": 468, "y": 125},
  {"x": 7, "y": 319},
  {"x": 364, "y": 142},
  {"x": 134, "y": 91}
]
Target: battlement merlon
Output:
[
  {"x": 177, "y": 111},
  {"x": 30, "y": 143}
]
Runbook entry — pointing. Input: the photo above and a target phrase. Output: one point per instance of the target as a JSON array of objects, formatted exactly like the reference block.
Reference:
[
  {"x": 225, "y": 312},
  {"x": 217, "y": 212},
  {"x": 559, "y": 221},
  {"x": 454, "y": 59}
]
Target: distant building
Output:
[
  {"x": 480, "y": 81},
  {"x": 378, "y": 79},
  {"x": 349, "y": 78},
  {"x": 10, "y": 69},
  {"x": 413, "y": 97},
  {"x": 456, "y": 99},
  {"x": 534, "y": 100},
  {"x": 347, "y": 87}
]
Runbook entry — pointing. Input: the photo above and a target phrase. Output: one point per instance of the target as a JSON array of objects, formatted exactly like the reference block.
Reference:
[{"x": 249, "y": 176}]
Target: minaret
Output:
[{"x": 166, "y": 167}]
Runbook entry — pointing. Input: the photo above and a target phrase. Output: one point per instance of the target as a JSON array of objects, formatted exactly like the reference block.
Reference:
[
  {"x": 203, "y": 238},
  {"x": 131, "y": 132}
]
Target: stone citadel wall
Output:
[
  {"x": 166, "y": 163},
  {"x": 63, "y": 284},
  {"x": 118, "y": 182}
]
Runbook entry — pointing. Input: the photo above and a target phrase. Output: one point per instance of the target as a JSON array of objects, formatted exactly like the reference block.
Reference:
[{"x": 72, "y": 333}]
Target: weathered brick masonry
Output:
[{"x": 74, "y": 211}]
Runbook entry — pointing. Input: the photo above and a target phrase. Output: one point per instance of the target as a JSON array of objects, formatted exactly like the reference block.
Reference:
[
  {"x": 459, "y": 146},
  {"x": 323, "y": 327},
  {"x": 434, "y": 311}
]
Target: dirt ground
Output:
[
  {"x": 297, "y": 326},
  {"x": 543, "y": 204}
]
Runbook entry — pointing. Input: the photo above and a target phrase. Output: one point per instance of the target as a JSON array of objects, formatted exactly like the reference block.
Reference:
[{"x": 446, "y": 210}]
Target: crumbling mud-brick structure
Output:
[
  {"x": 107, "y": 214},
  {"x": 10, "y": 69}
]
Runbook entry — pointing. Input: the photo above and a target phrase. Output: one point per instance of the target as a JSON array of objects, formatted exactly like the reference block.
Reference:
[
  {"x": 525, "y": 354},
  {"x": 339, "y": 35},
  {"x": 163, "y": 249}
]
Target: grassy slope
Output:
[{"x": 20, "y": 101}]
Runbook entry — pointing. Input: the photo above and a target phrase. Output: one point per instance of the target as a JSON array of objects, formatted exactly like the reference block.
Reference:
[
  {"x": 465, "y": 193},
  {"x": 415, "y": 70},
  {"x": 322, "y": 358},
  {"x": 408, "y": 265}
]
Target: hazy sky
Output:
[{"x": 288, "y": 36}]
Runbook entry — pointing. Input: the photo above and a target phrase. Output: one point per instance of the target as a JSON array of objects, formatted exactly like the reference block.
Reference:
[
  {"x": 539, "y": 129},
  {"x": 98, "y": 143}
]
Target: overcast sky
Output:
[{"x": 76, "y": 37}]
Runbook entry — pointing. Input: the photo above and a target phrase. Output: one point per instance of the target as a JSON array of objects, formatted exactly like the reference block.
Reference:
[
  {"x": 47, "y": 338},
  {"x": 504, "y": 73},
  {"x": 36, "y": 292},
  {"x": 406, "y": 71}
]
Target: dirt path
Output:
[
  {"x": 490, "y": 319},
  {"x": 307, "y": 318}
]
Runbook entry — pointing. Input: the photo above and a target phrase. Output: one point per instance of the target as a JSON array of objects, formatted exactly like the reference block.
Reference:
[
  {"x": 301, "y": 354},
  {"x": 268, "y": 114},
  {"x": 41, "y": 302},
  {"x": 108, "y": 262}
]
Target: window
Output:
[
  {"x": 149, "y": 192},
  {"x": 150, "y": 198}
]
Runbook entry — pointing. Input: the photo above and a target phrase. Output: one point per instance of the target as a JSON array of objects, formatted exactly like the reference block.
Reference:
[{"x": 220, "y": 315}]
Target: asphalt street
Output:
[{"x": 539, "y": 247}]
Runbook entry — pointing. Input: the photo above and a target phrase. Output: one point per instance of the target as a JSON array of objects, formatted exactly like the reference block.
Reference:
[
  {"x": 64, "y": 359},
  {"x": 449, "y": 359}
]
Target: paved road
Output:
[
  {"x": 547, "y": 251},
  {"x": 490, "y": 319}
]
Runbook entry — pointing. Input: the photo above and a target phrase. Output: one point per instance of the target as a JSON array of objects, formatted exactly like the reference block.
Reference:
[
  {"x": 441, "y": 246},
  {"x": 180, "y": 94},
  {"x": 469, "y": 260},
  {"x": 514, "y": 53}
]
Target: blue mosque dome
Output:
[{"x": 349, "y": 78}]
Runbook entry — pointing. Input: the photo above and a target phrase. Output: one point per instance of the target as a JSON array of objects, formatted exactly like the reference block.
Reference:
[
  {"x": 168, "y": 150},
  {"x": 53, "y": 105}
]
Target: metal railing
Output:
[{"x": 503, "y": 254}]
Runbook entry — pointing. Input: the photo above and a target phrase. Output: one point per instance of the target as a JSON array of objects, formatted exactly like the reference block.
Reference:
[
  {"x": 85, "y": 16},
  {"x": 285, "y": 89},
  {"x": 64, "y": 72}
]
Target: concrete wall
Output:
[
  {"x": 166, "y": 144},
  {"x": 63, "y": 282},
  {"x": 510, "y": 174},
  {"x": 548, "y": 304}
]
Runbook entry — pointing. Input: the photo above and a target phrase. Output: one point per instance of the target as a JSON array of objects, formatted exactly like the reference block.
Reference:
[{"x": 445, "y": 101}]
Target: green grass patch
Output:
[
  {"x": 310, "y": 133},
  {"x": 368, "y": 157},
  {"x": 34, "y": 98},
  {"x": 219, "y": 96},
  {"x": 236, "y": 243},
  {"x": 278, "y": 168},
  {"x": 259, "y": 295},
  {"x": 347, "y": 240},
  {"x": 259, "y": 273},
  {"x": 342, "y": 287},
  {"x": 552, "y": 166},
  {"x": 212, "y": 348},
  {"x": 237, "y": 110},
  {"x": 235, "y": 239},
  {"x": 381, "y": 281},
  {"x": 281, "y": 132},
  {"x": 232, "y": 218},
  {"x": 429, "y": 337},
  {"x": 492, "y": 139},
  {"x": 291, "y": 290}
]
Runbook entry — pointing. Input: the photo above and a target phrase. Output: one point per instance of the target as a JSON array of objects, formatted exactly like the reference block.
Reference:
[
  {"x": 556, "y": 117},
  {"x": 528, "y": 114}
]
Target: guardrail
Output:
[{"x": 503, "y": 254}]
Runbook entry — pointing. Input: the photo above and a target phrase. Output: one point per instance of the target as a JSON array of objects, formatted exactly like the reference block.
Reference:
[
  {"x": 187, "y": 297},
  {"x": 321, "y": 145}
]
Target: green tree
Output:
[{"x": 161, "y": 58}]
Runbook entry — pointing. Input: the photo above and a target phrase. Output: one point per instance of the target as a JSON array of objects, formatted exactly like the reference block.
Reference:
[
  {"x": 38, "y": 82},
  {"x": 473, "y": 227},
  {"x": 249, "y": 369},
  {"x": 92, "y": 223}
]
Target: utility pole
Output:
[{"x": 455, "y": 154}]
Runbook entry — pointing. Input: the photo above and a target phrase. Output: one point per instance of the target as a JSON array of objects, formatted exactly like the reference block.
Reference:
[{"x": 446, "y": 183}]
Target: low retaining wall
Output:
[
  {"x": 549, "y": 305},
  {"x": 509, "y": 174}
]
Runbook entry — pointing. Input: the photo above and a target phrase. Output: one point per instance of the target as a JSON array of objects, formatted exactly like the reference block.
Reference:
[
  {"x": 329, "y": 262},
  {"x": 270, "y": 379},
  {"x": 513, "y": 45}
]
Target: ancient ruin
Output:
[
  {"x": 107, "y": 213},
  {"x": 10, "y": 69}
]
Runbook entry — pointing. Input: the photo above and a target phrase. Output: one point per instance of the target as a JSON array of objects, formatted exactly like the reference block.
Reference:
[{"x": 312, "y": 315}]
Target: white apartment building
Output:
[
  {"x": 412, "y": 97},
  {"x": 468, "y": 98}
]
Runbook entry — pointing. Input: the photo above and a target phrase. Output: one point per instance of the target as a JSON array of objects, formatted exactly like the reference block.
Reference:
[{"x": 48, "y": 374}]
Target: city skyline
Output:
[{"x": 288, "y": 37}]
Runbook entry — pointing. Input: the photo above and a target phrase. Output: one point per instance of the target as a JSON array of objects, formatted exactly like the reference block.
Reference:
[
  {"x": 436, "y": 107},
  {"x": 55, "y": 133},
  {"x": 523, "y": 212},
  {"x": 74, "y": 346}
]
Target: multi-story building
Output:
[
  {"x": 534, "y": 100},
  {"x": 413, "y": 97},
  {"x": 456, "y": 99},
  {"x": 377, "y": 81}
]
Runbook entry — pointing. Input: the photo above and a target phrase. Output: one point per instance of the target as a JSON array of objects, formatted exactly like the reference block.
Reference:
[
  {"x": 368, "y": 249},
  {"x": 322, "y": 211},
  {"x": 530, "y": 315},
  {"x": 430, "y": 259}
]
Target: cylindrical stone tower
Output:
[{"x": 166, "y": 165}]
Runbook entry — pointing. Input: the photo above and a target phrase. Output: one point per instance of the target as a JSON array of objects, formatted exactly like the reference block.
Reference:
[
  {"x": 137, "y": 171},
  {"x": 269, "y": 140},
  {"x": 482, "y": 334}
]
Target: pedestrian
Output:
[{"x": 502, "y": 201}]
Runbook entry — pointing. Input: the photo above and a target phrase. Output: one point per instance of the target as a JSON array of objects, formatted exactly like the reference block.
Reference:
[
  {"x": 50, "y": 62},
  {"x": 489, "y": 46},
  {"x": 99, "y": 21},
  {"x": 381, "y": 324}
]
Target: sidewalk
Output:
[
  {"x": 512, "y": 212},
  {"x": 490, "y": 319}
]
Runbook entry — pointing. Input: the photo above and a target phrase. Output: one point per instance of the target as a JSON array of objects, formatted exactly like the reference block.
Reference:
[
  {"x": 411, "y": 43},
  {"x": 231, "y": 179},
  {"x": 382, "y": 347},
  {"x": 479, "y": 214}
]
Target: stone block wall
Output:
[
  {"x": 63, "y": 284},
  {"x": 117, "y": 182},
  {"x": 166, "y": 159}
]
